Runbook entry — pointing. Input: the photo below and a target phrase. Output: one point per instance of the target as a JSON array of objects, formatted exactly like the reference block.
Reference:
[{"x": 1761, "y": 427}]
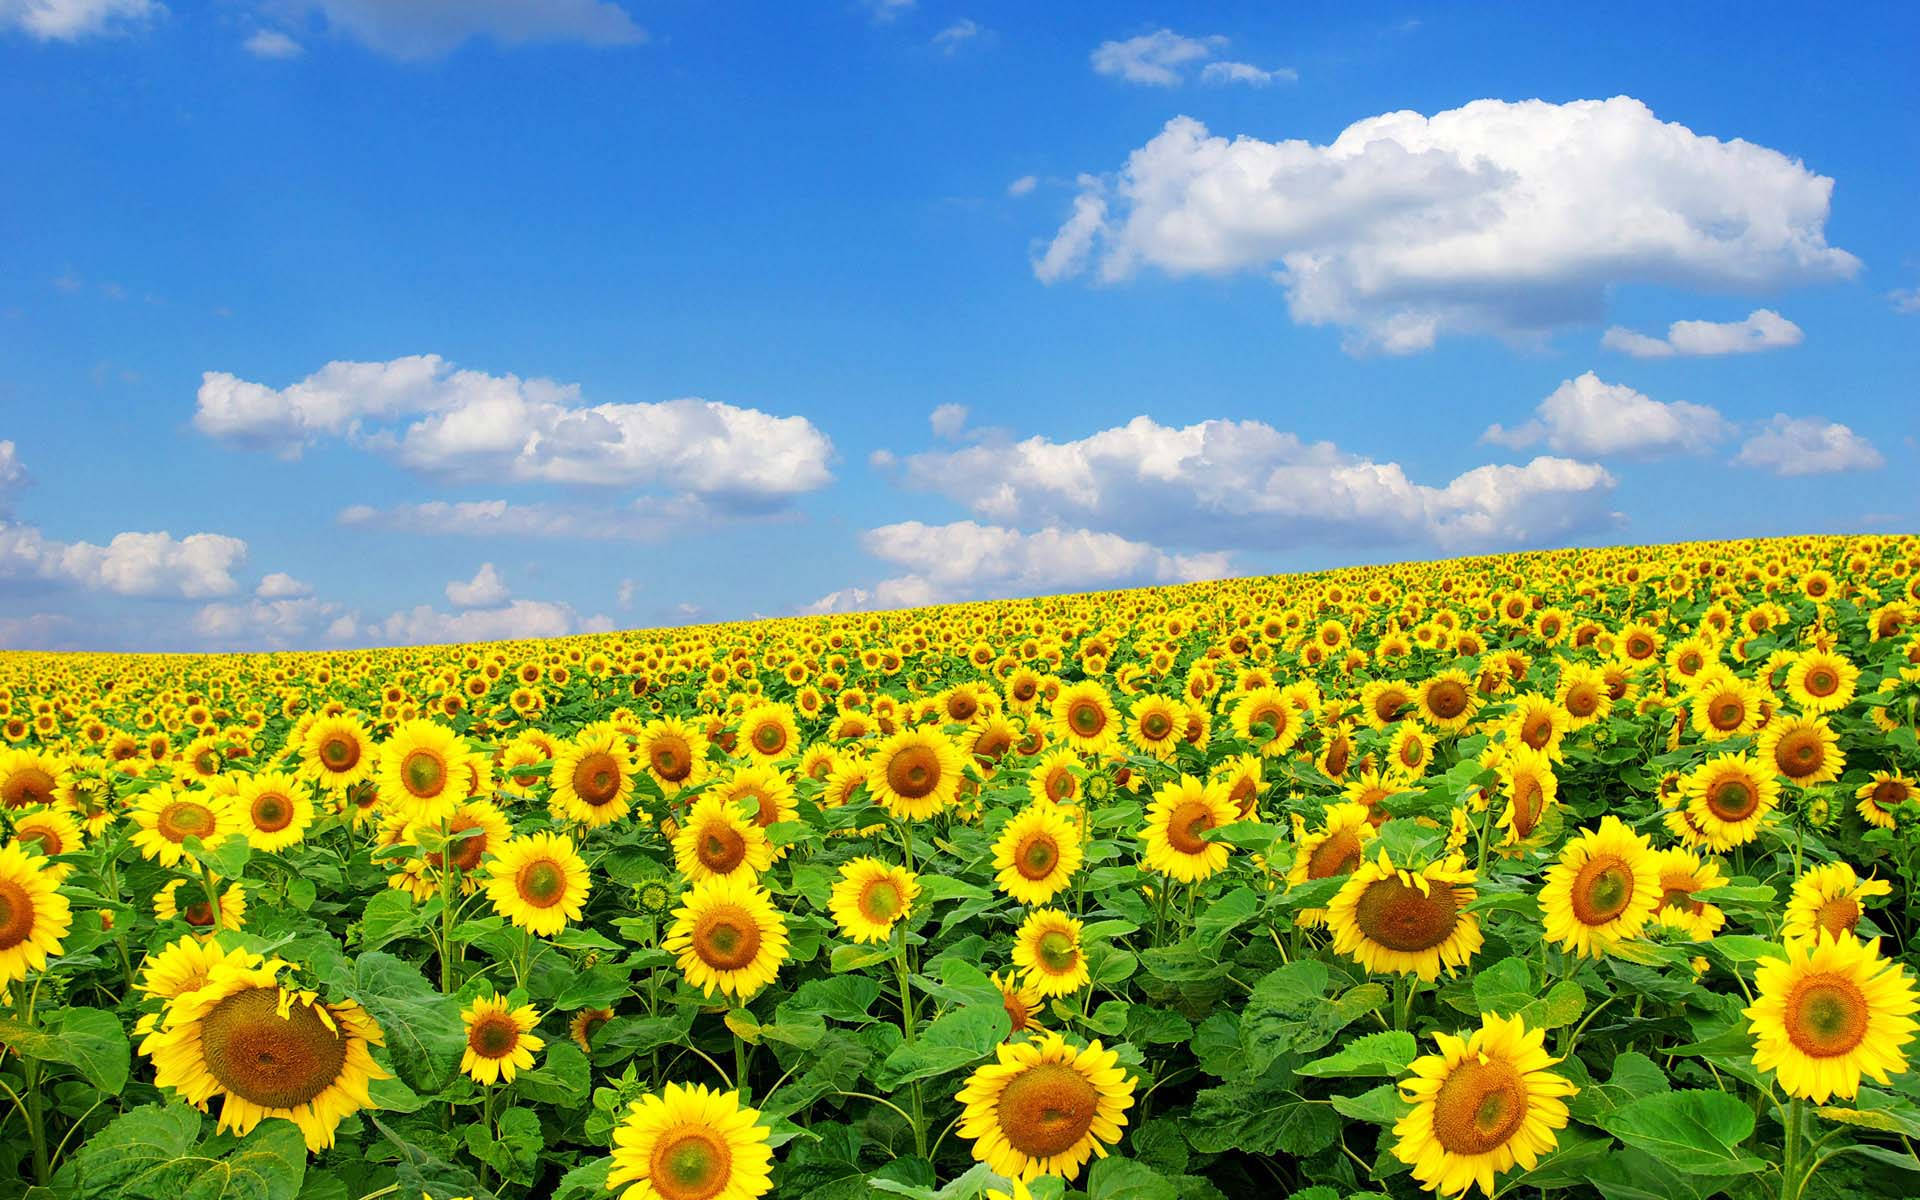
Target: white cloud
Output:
[
  {"x": 957, "y": 35},
  {"x": 279, "y": 585},
  {"x": 417, "y": 29},
  {"x": 1157, "y": 59},
  {"x": 521, "y": 619},
  {"x": 485, "y": 590},
  {"x": 132, "y": 564},
  {"x": 13, "y": 475},
  {"x": 884, "y": 11},
  {"x": 1023, "y": 185},
  {"x": 624, "y": 597},
  {"x": 1505, "y": 218},
  {"x": 71, "y": 20},
  {"x": 1247, "y": 485},
  {"x": 271, "y": 43},
  {"x": 282, "y": 622},
  {"x": 966, "y": 560},
  {"x": 472, "y": 425},
  {"x": 1905, "y": 300},
  {"x": 644, "y": 520},
  {"x": 1247, "y": 73},
  {"x": 1808, "y": 446},
  {"x": 1587, "y": 416},
  {"x": 948, "y": 420},
  {"x": 1763, "y": 329}
]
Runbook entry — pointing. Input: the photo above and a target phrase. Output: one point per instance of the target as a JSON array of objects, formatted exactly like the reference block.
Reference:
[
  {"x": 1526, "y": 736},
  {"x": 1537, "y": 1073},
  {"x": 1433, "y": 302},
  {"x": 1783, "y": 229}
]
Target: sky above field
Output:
[{"x": 348, "y": 322}]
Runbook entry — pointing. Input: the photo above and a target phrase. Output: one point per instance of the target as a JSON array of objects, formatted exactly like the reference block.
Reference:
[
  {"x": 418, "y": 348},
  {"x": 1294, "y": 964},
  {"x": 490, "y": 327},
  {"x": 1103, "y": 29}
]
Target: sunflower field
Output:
[{"x": 1577, "y": 873}]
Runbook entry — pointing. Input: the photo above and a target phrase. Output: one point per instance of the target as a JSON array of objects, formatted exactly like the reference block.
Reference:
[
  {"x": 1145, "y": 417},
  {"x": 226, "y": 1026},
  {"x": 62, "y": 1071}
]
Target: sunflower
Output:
[
  {"x": 674, "y": 752},
  {"x": 1155, "y": 725},
  {"x": 1829, "y": 1012},
  {"x": 1682, "y": 873},
  {"x": 1724, "y": 706},
  {"x": 1244, "y": 777},
  {"x": 1603, "y": 890},
  {"x": 478, "y": 828},
  {"x": 915, "y": 773},
  {"x": 1181, "y": 812},
  {"x": 768, "y": 788},
  {"x": 500, "y": 1039},
  {"x": 336, "y": 753},
  {"x": 1726, "y": 799},
  {"x": 181, "y": 967},
  {"x": 715, "y": 841},
  {"x": 1880, "y": 795},
  {"x": 1583, "y": 693},
  {"x": 1337, "y": 848},
  {"x": 585, "y": 1024},
  {"x": 265, "y": 1051},
  {"x": 770, "y": 732},
  {"x": 1481, "y": 1105},
  {"x": 1528, "y": 782},
  {"x": 48, "y": 832},
  {"x": 871, "y": 898},
  {"x": 1272, "y": 708},
  {"x": 275, "y": 810},
  {"x": 1829, "y": 898},
  {"x": 1822, "y": 682},
  {"x": 1802, "y": 750},
  {"x": 1447, "y": 701},
  {"x": 1370, "y": 787},
  {"x": 1037, "y": 853},
  {"x": 1406, "y": 922},
  {"x": 1410, "y": 752},
  {"x": 167, "y": 818},
  {"x": 1056, "y": 777},
  {"x": 1022, "y": 1001},
  {"x": 1044, "y": 1107},
  {"x": 728, "y": 937},
  {"x": 194, "y": 907},
  {"x": 691, "y": 1143},
  {"x": 539, "y": 882},
  {"x": 34, "y": 916},
  {"x": 1084, "y": 717},
  {"x": 593, "y": 778},
  {"x": 1048, "y": 952},
  {"x": 423, "y": 771},
  {"x": 29, "y": 778}
]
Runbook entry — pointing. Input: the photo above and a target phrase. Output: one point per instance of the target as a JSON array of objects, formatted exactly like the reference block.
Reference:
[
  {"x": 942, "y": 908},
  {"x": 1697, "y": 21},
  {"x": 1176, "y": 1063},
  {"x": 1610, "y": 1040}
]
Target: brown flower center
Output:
[
  {"x": 690, "y": 1162},
  {"x": 720, "y": 848},
  {"x": 597, "y": 778},
  {"x": 1826, "y": 1015},
  {"x": 1838, "y": 915},
  {"x": 1186, "y": 823},
  {"x": 1046, "y": 1109},
  {"x": 1602, "y": 890},
  {"x": 1447, "y": 699},
  {"x": 423, "y": 773},
  {"x": 274, "y": 1061},
  {"x": 1398, "y": 916},
  {"x": 726, "y": 938},
  {"x": 494, "y": 1035},
  {"x": 1479, "y": 1107},
  {"x": 340, "y": 752},
  {"x": 914, "y": 772},
  {"x": 541, "y": 883}
]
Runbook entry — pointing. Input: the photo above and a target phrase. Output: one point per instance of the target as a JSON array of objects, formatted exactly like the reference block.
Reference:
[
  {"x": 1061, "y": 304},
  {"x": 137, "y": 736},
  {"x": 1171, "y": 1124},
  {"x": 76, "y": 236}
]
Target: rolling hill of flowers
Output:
[{"x": 1581, "y": 873}]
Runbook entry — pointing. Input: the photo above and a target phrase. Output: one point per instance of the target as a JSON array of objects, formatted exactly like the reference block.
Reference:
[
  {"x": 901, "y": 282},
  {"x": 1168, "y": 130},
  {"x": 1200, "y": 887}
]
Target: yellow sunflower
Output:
[
  {"x": 30, "y": 778},
  {"x": 478, "y": 828},
  {"x": 34, "y": 916},
  {"x": 168, "y": 817},
  {"x": 423, "y": 772},
  {"x": 593, "y": 778},
  {"x": 1055, "y": 777},
  {"x": 1822, "y": 682},
  {"x": 1272, "y": 708},
  {"x": 1047, "y": 950},
  {"x": 48, "y": 832},
  {"x": 1337, "y": 848},
  {"x": 265, "y": 1051},
  {"x": 1829, "y": 898},
  {"x": 1181, "y": 812},
  {"x": 337, "y": 753},
  {"x": 500, "y": 1039},
  {"x": 1084, "y": 717},
  {"x": 539, "y": 882},
  {"x": 1727, "y": 797},
  {"x": 1682, "y": 873},
  {"x": 1037, "y": 853},
  {"x": 1447, "y": 701},
  {"x": 1828, "y": 1013},
  {"x": 715, "y": 841},
  {"x": 1407, "y": 922},
  {"x": 1538, "y": 724},
  {"x": 1023, "y": 1003},
  {"x": 872, "y": 897},
  {"x": 1880, "y": 795},
  {"x": 1481, "y": 1105},
  {"x": 674, "y": 752},
  {"x": 187, "y": 900},
  {"x": 691, "y": 1143},
  {"x": 1155, "y": 725},
  {"x": 1724, "y": 706},
  {"x": 770, "y": 732},
  {"x": 1528, "y": 783},
  {"x": 275, "y": 810},
  {"x": 1802, "y": 750},
  {"x": 728, "y": 937},
  {"x": 915, "y": 773},
  {"x": 1244, "y": 777},
  {"x": 768, "y": 788},
  {"x": 1044, "y": 1107},
  {"x": 585, "y": 1024},
  {"x": 181, "y": 967},
  {"x": 1582, "y": 692},
  {"x": 1603, "y": 890}
]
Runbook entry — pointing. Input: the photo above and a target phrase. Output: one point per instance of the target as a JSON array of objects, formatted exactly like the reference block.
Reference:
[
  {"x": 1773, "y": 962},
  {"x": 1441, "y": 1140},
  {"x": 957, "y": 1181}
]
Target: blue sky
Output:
[{"x": 344, "y": 322}]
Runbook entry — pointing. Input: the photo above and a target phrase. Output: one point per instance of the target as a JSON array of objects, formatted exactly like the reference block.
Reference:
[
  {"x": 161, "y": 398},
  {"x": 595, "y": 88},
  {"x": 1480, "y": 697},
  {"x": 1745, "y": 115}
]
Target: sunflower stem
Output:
[
  {"x": 1790, "y": 1186},
  {"x": 211, "y": 882},
  {"x": 905, "y": 976}
]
